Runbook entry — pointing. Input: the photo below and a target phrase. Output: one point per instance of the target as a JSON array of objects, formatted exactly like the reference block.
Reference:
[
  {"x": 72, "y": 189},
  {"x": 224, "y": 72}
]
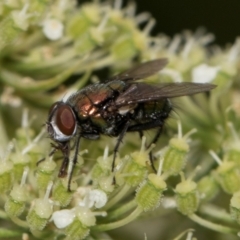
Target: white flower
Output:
[
  {"x": 95, "y": 198},
  {"x": 53, "y": 29},
  {"x": 98, "y": 198},
  {"x": 204, "y": 73},
  {"x": 63, "y": 218}
]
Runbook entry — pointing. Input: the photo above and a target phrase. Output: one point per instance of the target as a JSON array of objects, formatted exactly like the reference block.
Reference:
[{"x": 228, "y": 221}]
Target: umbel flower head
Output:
[{"x": 51, "y": 49}]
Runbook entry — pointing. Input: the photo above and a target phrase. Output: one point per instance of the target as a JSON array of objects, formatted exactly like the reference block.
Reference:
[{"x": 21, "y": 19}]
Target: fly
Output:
[{"x": 113, "y": 108}]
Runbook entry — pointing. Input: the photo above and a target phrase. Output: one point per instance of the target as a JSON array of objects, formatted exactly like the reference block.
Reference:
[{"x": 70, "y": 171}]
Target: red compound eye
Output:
[{"x": 65, "y": 120}]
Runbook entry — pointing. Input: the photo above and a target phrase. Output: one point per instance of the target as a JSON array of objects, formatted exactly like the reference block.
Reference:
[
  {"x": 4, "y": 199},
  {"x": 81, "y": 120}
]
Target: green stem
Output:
[
  {"x": 3, "y": 138},
  {"x": 20, "y": 222},
  {"x": 15, "y": 80},
  {"x": 213, "y": 226},
  {"x": 3, "y": 215},
  {"x": 121, "y": 210},
  {"x": 128, "y": 219},
  {"x": 117, "y": 197},
  {"x": 183, "y": 233},
  {"x": 215, "y": 212},
  {"x": 26, "y": 66}
]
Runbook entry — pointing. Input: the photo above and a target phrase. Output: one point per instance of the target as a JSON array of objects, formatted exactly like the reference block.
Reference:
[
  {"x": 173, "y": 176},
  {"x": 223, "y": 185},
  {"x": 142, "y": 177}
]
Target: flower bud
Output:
[
  {"x": 21, "y": 18},
  {"x": 124, "y": 48},
  {"x": 103, "y": 166},
  {"x": 207, "y": 188},
  {"x": 45, "y": 173},
  {"x": 175, "y": 155},
  {"x": 232, "y": 152},
  {"x": 6, "y": 176},
  {"x": 79, "y": 228},
  {"x": 150, "y": 192},
  {"x": 15, "y": 203},
  {"x": 235, "y": 207},
  {"x": 76, "y": 230},
  {"x": 20, "y": 161},
  {"x": 8, "y": 32},
  {"x": 187, "y": 197},
  {"x": 135, "y": 169},
  {"x": 21, "y": 135},
  {"x": 80, "y": 24},
  {"x": 232, "y": 155},
  {"x": 227, "y": 174},
  {"x": 41, "y": 211},
  {"x": 60, "y": 193}
]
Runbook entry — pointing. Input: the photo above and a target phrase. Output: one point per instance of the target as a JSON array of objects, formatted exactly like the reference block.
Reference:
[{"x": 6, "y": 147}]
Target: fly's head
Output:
[{"x": 62, "y": 122}]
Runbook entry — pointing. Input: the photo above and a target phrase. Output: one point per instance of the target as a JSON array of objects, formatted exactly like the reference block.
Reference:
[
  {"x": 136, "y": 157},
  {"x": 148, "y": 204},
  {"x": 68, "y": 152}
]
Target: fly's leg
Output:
[
  {"x": 147, "y": 126},
  {"x": 55, "y": 148},
  {"x": 74, "y": 161},
  {"x": 125, "y": 128},
  {"x": 154, "y": 140}
]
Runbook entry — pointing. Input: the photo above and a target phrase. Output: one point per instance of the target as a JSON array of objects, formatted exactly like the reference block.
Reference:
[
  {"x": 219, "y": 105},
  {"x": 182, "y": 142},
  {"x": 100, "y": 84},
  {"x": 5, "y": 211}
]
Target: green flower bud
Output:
[
  {"x": 45, "y": 173},
  {"x": 187, "y": 197},
  {"x": 235, "y": 207},
  {"x": 106, "y": 183},
  {"x": 6, "y": 176},
  {"x": 20, "y": 161},
  {"x": 41, "y": 211},
  {"x": 207, "y": 188},
  {"x": 150, "y": 192},
  {"x": 175, "y": 156},
  {"x": 76, "y": 230},
  {"x": 8, "y": 32},
  {"x": 79, "y": 228},
  {"x": 21, "y": 136},
  {"x": 85, "y": 44},
  {"x": 227, "y": 175},
  {"x": 15, "y": 204},
  {"x": 80, "y": 24},
  {"x": 60, "y": 193},
  {"x": 103, "y": 167},
  {"x": 232, "y": 152},
  {"x": 135, "y": 169},
  {"x": 233, "y": 155},
  {"x": 39, "y": 215},
  {"x": 124, "y": 48}
]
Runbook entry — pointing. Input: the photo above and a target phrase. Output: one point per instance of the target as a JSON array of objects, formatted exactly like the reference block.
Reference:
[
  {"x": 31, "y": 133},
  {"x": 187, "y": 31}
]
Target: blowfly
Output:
[{"x": 113, "y": 108}]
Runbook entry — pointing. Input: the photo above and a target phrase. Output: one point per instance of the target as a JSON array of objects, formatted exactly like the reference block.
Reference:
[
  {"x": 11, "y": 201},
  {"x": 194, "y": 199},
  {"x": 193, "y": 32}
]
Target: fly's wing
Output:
[
  {"x": 142, "y": 92},
  {"x": 141, "y": 71}
]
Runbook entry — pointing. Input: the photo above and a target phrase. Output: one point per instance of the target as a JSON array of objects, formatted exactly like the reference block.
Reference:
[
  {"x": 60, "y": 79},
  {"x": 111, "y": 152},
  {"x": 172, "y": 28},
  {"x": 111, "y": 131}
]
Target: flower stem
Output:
[
  {"x": 128, "y": 219},
  {"x": 215, "y": 212},
  {"x": 122, "y": 210},
  {"x": 117, "y": 197},
  {"x": 213, "y": 226}
]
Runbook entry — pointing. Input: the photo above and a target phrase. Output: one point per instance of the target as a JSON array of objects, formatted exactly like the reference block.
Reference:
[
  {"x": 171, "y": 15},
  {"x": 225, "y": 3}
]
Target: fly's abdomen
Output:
[{"x": 153, "y": 110}]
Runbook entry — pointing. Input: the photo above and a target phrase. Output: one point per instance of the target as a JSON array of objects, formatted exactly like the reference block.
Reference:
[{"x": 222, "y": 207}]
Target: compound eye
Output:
[
  {"x": 65, "y": 120},
  {"x": 53, "y": 106}
]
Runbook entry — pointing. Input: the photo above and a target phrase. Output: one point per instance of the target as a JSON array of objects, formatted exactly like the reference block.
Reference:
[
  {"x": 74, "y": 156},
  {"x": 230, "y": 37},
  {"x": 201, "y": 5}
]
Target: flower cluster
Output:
[{"x": 50, "y": 49}]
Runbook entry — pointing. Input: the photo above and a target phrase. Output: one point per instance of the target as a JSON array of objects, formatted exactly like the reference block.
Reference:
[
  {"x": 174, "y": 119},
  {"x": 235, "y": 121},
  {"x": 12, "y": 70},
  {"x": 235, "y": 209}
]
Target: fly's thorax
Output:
[
  {"x": 91, "y": 101},
  {"x": 62, "y": 123}
]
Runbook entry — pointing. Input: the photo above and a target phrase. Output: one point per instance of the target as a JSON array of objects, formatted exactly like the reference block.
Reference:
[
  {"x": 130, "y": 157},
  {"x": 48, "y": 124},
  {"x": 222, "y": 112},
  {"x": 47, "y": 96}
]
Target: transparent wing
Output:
[
  {"x": 142, "y": 92},
  {"x": 141, "y": 71}
]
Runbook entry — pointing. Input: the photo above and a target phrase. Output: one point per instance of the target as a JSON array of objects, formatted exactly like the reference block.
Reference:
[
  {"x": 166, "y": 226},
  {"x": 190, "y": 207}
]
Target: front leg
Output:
[
  {"x": 120, "y": 138},
  {"x": 74, "y": 161},
  {"x": 65, "y": 148}
]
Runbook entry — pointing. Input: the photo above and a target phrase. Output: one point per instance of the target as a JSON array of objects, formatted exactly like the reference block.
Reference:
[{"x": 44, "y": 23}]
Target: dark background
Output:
[{"x": 220, "y": 17}]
